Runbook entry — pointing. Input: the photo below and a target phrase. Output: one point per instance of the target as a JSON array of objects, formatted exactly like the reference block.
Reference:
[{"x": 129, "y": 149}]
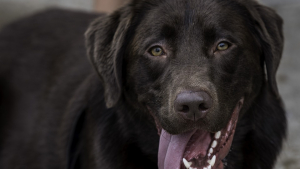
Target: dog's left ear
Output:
[
  {"x": 269, "y": 29},
  {"x": 105, "y": 41}
]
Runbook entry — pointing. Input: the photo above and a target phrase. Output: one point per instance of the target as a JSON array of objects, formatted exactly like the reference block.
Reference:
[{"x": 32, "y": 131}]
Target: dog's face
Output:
[
  {"x": 195, "y": 65},
  {"x": 198, "y": 55}
]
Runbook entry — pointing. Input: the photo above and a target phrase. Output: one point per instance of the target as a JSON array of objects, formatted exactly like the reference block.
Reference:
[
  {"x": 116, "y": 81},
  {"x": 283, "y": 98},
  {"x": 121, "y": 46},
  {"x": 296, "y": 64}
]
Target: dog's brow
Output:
[{"x": 188, "y": 14}]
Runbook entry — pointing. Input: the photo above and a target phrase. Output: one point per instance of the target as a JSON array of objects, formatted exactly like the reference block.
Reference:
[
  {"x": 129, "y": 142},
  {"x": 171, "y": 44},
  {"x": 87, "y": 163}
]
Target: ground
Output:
[{"x": 288, "y": 77}]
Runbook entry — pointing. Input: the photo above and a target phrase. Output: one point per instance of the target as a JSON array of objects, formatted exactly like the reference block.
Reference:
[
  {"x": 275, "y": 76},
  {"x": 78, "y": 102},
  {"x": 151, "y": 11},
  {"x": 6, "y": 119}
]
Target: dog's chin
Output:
[{"x": 197, "y": 149}]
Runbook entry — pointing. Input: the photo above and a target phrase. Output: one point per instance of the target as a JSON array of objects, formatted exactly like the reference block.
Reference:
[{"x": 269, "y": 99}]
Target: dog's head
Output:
[{"x": 195, "y": 65}]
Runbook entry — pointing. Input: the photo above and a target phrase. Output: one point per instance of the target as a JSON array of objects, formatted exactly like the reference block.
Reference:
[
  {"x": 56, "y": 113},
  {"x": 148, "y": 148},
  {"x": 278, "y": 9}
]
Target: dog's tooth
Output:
[
  {"x": 214, "y": 144},
  {"x": 209, "y": 167},
  {"x": 211, "y": 151},
  {"x": 186, "y": 163},
  {"x": 217, "y": 135},
  {"x": 212, "y": 161},
  {"x": 204, "y": 168},
  {"x": 192, "y": 168}
]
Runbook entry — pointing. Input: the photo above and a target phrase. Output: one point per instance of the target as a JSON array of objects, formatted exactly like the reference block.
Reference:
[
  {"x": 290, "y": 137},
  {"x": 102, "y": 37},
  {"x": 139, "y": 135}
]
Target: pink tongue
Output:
[{"x": 171, "y": 149}]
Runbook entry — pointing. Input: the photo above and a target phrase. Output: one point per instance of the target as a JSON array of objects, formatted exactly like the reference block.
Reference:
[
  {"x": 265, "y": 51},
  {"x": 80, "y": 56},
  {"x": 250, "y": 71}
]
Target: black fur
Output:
[{"x": 55, "y": 111}]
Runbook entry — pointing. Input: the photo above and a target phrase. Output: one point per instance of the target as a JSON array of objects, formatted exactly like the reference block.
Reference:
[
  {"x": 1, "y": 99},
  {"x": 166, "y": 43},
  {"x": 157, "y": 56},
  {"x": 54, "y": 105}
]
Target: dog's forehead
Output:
[{"x": 198, "y": 16}]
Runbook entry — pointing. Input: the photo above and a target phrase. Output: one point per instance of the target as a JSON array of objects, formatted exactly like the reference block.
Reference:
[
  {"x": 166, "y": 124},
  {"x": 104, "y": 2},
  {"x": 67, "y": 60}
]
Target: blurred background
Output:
[{"x": 288, "y": 75}]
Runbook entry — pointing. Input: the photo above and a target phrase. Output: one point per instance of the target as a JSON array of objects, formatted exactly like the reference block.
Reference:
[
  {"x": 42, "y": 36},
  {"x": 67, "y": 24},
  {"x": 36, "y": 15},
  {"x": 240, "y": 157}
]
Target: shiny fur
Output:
[{"x": 58, "y": 111}]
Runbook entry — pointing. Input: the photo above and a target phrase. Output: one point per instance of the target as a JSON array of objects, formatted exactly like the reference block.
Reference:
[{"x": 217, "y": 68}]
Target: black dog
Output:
[{"x": 183, "y": 84}]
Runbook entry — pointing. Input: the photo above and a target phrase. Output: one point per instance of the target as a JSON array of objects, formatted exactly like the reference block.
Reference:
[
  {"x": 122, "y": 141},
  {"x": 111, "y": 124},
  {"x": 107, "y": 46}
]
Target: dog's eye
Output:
[
  {"x": 223, "y": 46},
  {"x": 156, "y": 51}
]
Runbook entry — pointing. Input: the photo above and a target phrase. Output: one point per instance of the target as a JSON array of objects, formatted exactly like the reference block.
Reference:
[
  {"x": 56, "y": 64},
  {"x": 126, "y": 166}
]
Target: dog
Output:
[{"x": 168, "y": 84}]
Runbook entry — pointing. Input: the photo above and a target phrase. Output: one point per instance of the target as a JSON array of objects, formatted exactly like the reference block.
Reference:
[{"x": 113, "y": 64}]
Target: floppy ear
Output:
[
  {"x": 105, "y": 45},
  {"x": 269, "y": 28}
]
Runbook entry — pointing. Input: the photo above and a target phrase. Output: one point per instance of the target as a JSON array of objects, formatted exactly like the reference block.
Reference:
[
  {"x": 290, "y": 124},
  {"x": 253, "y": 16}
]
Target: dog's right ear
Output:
[{"x": 105, "y": 45}]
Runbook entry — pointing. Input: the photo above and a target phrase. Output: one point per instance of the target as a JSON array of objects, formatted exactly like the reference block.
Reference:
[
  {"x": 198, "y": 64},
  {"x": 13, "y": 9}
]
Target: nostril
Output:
[
  {"x": 185, "y": 109},
  {"x": 203, "y": 107}
]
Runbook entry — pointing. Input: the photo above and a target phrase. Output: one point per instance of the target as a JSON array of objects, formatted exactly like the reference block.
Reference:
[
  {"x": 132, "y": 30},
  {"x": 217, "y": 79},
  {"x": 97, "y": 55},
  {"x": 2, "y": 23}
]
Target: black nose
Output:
[{"x": 193, "y": 105}]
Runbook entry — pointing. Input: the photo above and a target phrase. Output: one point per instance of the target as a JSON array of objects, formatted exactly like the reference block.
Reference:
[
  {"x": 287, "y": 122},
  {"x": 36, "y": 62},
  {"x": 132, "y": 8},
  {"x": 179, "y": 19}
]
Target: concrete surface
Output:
[
  {"x": 289, "y": 82},
  {"x": 109, "y": 5},
  {"x": 288, "y": 75}
]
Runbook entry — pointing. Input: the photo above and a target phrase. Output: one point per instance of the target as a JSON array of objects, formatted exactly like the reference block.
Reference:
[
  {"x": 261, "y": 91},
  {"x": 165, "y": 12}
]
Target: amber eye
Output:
[
  {"x": 223, "y": 46},
  {"x": 156, "y": 51}
]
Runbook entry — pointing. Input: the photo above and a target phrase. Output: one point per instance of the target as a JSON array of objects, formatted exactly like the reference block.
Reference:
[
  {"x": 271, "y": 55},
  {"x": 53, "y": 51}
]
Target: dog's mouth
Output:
[{"x": 197, "y": 149}]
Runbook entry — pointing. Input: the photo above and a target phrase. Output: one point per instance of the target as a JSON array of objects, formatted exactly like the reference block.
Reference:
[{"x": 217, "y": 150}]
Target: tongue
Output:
[{"x": 171, "y": 149}]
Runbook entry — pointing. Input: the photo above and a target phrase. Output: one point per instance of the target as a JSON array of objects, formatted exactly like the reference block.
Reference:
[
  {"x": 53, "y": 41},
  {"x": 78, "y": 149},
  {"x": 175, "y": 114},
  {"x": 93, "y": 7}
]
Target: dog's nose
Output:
[{"x": 193, "y": 105}]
